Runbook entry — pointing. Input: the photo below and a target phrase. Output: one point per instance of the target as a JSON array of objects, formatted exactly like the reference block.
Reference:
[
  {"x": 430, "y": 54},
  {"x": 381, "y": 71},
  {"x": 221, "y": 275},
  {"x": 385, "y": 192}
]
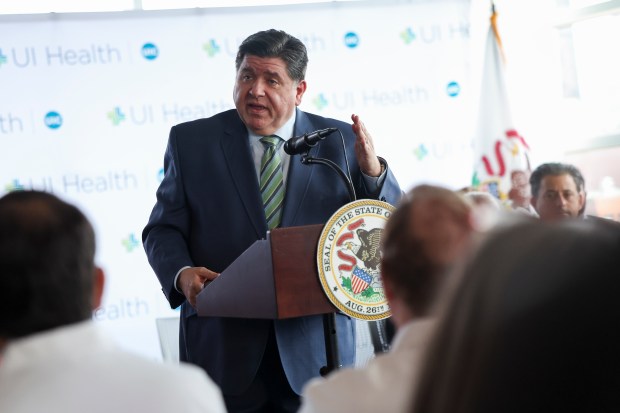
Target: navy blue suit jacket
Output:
[{"x": 209, "y": 211}]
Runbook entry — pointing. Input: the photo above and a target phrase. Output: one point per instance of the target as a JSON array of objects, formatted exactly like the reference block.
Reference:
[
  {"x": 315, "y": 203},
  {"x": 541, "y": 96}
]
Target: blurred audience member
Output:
[
  {"x": 520, "y": 195},
  {"x": 558, "y": 191},
  {"x": 54, "y": 359},
  {"x": 532, "y": 327},
  {"x": 423, "y": 238},
  {"x": 485, "y": 209}
]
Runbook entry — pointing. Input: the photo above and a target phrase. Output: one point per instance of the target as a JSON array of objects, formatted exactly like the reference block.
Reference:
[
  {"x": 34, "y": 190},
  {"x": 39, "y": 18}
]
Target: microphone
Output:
[{"x": 306, "y": 141}]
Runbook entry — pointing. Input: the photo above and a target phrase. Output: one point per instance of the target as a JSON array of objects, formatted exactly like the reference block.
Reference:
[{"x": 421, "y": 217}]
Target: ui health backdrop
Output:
[{"x": 88, "y": 101}]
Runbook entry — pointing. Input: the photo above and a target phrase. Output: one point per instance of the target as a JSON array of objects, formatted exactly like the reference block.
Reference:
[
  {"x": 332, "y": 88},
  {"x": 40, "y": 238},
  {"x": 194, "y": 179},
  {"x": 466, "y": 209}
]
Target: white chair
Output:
[{"x": 168, "y": 331}]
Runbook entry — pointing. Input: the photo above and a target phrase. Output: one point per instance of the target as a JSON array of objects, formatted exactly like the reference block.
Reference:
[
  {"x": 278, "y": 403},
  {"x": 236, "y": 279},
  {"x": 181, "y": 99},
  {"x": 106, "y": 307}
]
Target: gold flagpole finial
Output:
[{"x": 496, "y": 31}]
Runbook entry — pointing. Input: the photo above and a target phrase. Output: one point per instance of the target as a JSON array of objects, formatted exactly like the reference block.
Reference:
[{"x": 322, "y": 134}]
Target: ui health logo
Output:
[
  {"x": 130, "y": 243},
  {"x": 320, "y": 102},
  {"x": 61, "y": 55},
  {"x": 432, "y": 33},
  {"x": 407, "y": 35},
  {"x": 78, "y": 184},
  {"x": 420, "y": 152},
  {"x": 211, "y": 47},
  {"x": 150, "y": 113},
  {"x": 116, "y": 116}
]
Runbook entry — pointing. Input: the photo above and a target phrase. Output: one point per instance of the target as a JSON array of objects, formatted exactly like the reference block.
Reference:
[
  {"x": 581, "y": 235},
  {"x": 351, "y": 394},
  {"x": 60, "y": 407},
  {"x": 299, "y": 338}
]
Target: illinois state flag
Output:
[{"x": 501, "y": 165}]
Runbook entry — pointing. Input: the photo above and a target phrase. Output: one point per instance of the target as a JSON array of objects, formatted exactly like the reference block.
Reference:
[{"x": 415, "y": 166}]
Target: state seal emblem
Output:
[{"x": 348, "y": 259}]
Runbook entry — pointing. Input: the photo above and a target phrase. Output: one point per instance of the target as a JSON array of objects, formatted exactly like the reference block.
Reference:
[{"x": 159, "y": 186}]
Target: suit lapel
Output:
[
  {"x": 299, "y": 175},
  {"x": 238, "y": 156}
]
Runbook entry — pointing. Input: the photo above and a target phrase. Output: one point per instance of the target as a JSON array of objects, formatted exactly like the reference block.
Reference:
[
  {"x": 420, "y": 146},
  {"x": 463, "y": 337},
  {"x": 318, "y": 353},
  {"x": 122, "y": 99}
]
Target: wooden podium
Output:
[{"x": 273, "y": 279}]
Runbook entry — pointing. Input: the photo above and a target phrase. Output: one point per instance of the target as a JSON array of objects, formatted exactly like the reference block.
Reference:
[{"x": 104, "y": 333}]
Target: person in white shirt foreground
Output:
[
  {"x": 53, "y": 358},
  {"x": 428, "y": 233}
]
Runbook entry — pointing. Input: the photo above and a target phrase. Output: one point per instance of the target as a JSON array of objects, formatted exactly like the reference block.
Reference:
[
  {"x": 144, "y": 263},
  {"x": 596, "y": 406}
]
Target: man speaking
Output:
[{"x": 227, "y": 182}]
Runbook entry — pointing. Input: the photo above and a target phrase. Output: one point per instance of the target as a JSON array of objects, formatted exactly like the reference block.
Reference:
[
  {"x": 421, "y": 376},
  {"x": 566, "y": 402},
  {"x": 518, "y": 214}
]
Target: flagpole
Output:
[{"x": 496, "y": 31}]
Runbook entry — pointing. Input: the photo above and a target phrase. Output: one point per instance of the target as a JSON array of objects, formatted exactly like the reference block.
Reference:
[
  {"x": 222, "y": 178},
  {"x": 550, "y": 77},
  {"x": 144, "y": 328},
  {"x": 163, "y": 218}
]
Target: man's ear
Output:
[
  {"x": 299, "y": 92},
  {"x": 533, "y": 201},
  {"x": 98, "y": 284},
  {"x": 582, "y": 202}
]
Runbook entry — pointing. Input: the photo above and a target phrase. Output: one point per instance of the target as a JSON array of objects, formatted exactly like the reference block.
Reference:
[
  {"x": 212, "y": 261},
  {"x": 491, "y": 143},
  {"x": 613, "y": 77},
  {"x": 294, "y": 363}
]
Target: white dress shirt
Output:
[
  {"x": 385, "y": 385},
  {"x": 76, "y": 369}
]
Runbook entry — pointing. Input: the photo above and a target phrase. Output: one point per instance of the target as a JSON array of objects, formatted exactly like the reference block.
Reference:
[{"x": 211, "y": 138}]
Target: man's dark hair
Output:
[
  {"x": 276, "y": 43},
  {"x": 555, "y": 169},
  {"x": 47, "y": 250}
]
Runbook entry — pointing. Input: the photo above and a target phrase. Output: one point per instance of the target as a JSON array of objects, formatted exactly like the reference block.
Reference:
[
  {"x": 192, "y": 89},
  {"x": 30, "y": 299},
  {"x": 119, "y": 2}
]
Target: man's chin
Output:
[
  {"x": 257, "y": 126},
  {"x": 564, "y": 215},
  {"x": 558, "y": 216}
]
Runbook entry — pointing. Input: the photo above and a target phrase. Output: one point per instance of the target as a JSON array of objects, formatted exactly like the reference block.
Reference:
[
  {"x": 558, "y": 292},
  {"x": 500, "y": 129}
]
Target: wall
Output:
[{"x": 88, "y": 100}]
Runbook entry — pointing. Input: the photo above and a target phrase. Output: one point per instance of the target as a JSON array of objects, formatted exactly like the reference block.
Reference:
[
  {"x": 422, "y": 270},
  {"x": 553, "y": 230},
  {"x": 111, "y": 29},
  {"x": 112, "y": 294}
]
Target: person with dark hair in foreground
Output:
[
  {"x": 426, "y": 235},
  {"x": 227, "y": 183},
  {"x": 532, "y": 327},
  {"x": 53, "y": 358}
]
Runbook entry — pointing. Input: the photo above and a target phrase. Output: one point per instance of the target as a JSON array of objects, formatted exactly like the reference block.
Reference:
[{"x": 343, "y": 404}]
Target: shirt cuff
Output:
[
  {"x": 375, "y": 183},
  {"x": 176, "y": 277}
]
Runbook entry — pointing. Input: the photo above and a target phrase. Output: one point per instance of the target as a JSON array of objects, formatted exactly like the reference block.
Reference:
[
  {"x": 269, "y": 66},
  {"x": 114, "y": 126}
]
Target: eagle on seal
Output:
[{"x": 368, "y": 251}]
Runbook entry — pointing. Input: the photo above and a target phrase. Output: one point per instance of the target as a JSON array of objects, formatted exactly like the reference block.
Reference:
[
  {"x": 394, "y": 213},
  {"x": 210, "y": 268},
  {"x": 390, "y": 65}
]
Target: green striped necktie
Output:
[{"x": 272, "y": 181}]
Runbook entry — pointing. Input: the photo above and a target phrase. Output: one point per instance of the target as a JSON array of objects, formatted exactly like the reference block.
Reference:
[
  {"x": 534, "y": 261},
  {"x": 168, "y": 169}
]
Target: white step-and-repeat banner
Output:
[{"x": 88, "y": 100}]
